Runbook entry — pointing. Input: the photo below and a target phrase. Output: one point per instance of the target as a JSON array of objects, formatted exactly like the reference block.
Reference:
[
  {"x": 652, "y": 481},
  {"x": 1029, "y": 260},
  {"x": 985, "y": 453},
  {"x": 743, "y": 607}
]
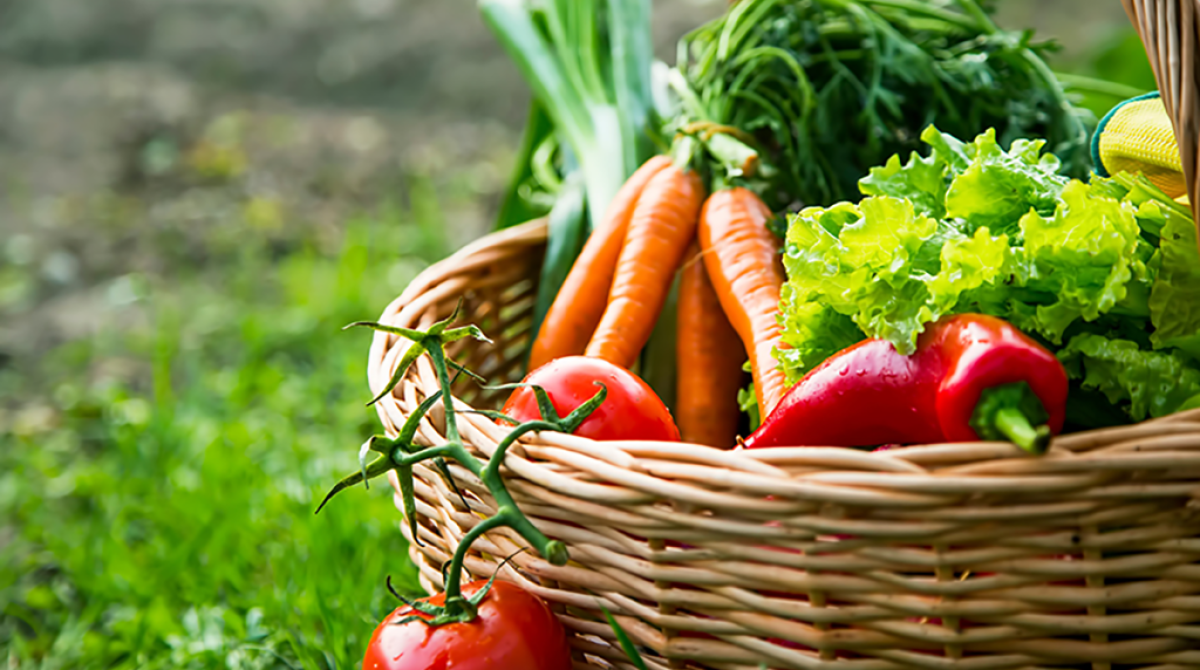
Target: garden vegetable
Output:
[
  {"x": 1137, "y": 136},
  {"x": 594, "y": 121},
  {"x": 827, "y": 89},
  {"x": 631, "y": 410},
  {"x": 975, "y": 228},
  {"x": 512, "y": 629},
  {"x": 402, "y": 452},
  {"x": 577, "y": 309},
  {"x": 662, "y": 226},
  {"x": 588, "y": 63},
  {"x": 709, "y": 357},
  {"x": 971, "y": 377},
  {"x": 742, "y": 259},
  {"x": 793, "y": 99}
]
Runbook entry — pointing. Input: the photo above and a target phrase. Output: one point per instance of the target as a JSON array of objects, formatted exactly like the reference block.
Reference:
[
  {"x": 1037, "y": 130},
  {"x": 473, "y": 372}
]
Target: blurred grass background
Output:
[{"x": 194, "y": 197}]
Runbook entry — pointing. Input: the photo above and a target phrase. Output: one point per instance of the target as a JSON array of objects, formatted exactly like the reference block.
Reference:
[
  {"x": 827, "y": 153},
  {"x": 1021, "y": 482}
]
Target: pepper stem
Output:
[
  {"x": 1014, "y": 413},
  {"x": 1016, "y": 427}
]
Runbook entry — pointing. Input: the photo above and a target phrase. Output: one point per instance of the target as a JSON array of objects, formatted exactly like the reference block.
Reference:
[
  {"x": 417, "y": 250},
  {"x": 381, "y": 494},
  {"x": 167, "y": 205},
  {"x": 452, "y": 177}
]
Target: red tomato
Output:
[
  {"x": 514, "y": 629},
  {"x": 630, "y": 411}
]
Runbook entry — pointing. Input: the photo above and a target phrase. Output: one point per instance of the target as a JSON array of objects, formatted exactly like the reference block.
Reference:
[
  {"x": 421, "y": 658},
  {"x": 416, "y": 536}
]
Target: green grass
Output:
[{"x": 157, "y": 484}]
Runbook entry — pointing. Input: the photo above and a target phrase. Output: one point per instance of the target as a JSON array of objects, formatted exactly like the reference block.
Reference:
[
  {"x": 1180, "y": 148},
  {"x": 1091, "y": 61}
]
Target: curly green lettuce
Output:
[
  {"x": 748, "y": 403},
  {"x": 1085, "y": 256},
  {"x": 971, "y": 227},
  {"x": 1174, "y": 301},
  {"x": 1146, "y": 383}
]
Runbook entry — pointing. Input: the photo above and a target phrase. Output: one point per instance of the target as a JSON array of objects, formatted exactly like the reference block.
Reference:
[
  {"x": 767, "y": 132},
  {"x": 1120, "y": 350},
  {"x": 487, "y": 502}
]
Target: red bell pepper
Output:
[{"x": 971, "y": 377}]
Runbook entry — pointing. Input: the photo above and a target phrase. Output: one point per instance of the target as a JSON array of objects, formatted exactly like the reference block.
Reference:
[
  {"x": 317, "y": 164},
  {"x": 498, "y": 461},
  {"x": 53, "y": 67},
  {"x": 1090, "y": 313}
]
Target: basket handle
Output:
[{"x": 1168, "y": 30}]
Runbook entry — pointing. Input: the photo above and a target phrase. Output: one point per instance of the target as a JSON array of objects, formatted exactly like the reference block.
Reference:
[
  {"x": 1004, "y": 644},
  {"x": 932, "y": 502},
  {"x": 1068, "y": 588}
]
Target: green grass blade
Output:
[{"x": 626, "y": 643}]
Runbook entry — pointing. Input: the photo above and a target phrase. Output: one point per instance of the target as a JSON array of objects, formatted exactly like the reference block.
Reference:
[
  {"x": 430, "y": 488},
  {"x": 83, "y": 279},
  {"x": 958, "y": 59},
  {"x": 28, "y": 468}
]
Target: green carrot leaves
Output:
[{"x": 830, "y": 88}]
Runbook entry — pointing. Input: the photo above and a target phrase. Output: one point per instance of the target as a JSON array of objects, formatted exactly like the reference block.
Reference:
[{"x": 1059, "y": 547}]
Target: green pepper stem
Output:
[
  {"x": 1017, "y": 428},
  {"x": 1012, "y": 412}
]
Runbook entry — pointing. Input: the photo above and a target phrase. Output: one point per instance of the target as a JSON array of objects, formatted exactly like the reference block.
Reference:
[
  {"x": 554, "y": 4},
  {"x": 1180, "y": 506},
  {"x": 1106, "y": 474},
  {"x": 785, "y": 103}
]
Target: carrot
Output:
[
  {"x": 709, "y": 358},
  {"x": 663, "y": 223},
  {"x": 576, "y": 310},
  {"x": 740, "y": 254}
]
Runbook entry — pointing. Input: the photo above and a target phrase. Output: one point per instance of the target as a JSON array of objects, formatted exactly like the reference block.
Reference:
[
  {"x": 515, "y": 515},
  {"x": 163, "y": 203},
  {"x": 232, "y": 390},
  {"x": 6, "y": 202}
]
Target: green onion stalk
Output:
[
  {"x": 592, "y": 122},
  {"x": 589, "y": 65},
  {"x": 401, "y": 453}
]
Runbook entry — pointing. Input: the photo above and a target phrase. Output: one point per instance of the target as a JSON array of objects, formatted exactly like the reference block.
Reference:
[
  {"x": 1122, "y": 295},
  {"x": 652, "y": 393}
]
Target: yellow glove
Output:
[{"x": 1137, "y": 136}]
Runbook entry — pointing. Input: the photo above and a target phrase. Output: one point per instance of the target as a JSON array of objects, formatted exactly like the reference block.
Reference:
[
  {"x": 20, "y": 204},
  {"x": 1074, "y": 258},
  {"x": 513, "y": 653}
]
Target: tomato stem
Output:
[
  {"x": 454, "y": 572},
  {"x": 438, "y": 358},
  {"x": 401, "y": 454}
]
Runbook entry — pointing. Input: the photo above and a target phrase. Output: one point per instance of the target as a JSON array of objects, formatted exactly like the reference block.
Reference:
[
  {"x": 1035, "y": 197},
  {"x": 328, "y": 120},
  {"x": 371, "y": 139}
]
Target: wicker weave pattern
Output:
[{"x": 938, "y": 556}]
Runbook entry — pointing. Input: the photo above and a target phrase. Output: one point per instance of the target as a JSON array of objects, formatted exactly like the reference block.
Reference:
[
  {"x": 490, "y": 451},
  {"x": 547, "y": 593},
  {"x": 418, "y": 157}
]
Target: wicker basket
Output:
[
  {"x": 940, "y": 556},
  {"x": 1169, "y": 29},
  {"x": 970, "y": 556}
]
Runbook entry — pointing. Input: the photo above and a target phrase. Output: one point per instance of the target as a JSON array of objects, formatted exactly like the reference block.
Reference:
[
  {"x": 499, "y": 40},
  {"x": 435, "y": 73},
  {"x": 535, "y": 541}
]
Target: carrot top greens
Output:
[{"x": 829, "y": 88}]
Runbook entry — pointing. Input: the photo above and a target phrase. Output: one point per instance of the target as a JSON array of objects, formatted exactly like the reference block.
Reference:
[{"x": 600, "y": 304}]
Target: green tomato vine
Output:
[{"x": 401, "y": 453}]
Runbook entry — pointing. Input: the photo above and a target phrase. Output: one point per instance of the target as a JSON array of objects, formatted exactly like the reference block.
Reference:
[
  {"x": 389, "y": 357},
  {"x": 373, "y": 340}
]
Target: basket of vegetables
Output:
[{"x": 778, "y": 395}]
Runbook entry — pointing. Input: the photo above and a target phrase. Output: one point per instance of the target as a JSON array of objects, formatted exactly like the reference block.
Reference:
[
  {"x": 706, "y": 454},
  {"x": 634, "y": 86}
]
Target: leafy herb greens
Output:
[
  {"x": 1106, "y": 273},
  {"x": 829, "y": 88}
]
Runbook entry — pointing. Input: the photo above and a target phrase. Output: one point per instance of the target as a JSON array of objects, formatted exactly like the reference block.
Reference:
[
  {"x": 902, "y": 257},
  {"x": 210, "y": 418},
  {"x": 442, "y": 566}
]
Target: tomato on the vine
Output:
[
  {"x": 631, "y": 410},
  {"x": 513, "y": 629}
]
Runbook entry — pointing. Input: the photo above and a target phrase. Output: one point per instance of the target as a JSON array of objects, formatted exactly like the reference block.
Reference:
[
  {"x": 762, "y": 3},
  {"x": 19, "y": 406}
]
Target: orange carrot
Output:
[
  {"x": 576, "y": 310},
  {"x": 663, "y": 223},
  {"x": 741, "y": 257},
  {"x": 709, "y": 357}
]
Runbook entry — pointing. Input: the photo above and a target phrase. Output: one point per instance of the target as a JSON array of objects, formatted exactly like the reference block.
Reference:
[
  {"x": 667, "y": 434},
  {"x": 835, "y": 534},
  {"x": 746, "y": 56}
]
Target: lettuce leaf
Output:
[
  {"x": 967, "y": 264},
  {"x": 1109, "y": 266},
  {"x": 1085, "y": 255},
  {"x": 922, "y": 181},
  {"x": 998, "y": 187},
  {"x": 1175, "y": 297},
  {"x": 812, "y": 333},
  {"x": 892, "y": 267},
  {"x": 855, "y": 261},
  {"x": 748, "y": 403},
  {"x": 979, "y": 182},
  {"x": 1145, "y": 383}
]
